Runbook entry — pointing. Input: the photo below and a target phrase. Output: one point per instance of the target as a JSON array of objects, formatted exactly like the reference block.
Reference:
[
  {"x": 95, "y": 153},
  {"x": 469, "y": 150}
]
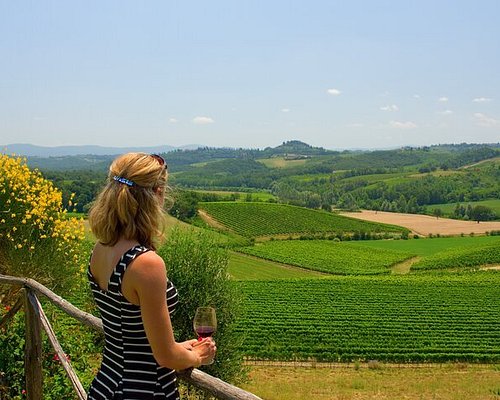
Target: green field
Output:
[
  {"x": 448, "y": 209},
  {"x": 430, "y": 246},
  {"x": 245, "y": 267},
  {"x": 281, "y": 162},
  {"x": 373, "y": 178},
  {"x": 471, "y": 257},
  {"x": 341, "y": 258},
  {"x": 445, "y": 253},
  {"x": 266, "y": 219},
  {"x": 229, "y": 240},
  {"x": 310, "y": 177},
  {"x": 411, "y": 318},
  {"x": 241, "y": 196}
]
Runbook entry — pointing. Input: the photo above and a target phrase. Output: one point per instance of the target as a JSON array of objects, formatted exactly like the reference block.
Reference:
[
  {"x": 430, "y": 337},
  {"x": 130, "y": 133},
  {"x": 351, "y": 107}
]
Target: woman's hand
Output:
[
  {"x": 205, "y": 349},
  {"x": 188, "y": 344}
]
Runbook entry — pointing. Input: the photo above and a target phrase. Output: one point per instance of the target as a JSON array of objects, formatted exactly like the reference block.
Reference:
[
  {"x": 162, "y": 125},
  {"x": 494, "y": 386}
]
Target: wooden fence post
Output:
[{"x": 33, "y": 349}]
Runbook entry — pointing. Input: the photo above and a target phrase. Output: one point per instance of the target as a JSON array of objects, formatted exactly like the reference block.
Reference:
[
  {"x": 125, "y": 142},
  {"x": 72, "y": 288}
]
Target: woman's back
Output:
[{"x": 129, "y": 369}]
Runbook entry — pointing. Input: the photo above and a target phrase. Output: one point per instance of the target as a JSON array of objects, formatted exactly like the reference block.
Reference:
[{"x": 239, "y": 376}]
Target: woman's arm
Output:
[{"x": 148, "y": 279}]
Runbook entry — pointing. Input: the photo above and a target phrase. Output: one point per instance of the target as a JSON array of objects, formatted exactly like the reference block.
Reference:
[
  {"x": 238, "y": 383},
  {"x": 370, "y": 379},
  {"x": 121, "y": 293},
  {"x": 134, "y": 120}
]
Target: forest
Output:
[{"x": 409, "y": 179}]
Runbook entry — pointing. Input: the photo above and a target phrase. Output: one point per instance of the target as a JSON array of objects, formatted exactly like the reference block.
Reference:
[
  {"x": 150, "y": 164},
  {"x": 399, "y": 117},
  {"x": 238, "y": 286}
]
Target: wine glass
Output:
[{"x": 205, "y": 323}]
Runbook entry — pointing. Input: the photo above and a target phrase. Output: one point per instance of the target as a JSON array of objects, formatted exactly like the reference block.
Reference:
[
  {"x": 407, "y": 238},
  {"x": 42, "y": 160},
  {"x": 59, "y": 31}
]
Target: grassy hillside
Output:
[{"x": 245, "y": 267}]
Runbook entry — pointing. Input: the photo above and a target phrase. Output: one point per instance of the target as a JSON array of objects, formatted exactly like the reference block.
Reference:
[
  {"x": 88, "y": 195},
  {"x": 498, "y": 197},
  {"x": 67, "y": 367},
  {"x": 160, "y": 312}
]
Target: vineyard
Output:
[
  {"x": 430, "y": 246},
  {"x": 414, "y": 318},
  {"x": 266, "y": 219},
  {"x": 461, "y": 258},
  {"x": 341, "y": 258}
]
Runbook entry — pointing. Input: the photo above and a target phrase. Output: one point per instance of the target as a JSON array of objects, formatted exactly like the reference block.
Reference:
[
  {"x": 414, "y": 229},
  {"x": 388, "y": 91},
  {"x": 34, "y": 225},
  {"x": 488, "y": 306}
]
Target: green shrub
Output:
[{"x": 197, "y": 266}]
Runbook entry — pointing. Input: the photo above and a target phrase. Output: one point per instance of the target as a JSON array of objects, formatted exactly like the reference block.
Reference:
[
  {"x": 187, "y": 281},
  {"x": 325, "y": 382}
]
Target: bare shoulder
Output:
[{"x": 149, "y": 269}]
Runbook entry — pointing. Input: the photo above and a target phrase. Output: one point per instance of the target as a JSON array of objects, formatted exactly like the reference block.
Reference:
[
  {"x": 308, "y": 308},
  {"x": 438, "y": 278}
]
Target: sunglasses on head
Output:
[{"x": 160, "y": 159}]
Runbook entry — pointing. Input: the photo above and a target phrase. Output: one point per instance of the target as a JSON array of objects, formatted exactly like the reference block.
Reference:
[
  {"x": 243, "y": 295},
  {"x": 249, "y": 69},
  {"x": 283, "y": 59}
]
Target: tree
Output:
[
  {"x": 468, "y": 212},
  {"x": 459, "y": 211},
  {"x": 482, "y": 213},
  {"x": 437, "y": 212},
  {"x": 185, "y": 205}
]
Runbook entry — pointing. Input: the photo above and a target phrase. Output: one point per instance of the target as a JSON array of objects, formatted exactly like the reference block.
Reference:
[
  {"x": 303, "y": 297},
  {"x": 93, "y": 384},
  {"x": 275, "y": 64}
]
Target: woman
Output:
[{"x": 131, "y": 289}]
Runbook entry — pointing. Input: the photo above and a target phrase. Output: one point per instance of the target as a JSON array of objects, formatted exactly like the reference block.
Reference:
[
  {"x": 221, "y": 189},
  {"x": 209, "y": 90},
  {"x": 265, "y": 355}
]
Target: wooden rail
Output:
[{"x": 36, "y": 320}]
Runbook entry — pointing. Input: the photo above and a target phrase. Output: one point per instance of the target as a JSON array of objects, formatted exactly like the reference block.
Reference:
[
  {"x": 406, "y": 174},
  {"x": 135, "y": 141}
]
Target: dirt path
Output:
[
  {"x": 495, "y": 267},
  {"x": 212, "y": 222},
  {"x": 405, "y": 266},
  {"x": 426, "y": 225},
  {"x": 496, "y": 159}
]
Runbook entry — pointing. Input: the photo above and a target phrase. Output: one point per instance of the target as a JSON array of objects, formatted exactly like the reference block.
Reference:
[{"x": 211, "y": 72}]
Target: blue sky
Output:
[{"x": 336, "y": 74}]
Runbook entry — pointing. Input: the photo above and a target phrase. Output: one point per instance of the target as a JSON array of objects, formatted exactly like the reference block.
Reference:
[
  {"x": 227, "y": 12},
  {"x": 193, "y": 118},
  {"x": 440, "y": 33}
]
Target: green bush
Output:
[{"x": 197, "y": 266}]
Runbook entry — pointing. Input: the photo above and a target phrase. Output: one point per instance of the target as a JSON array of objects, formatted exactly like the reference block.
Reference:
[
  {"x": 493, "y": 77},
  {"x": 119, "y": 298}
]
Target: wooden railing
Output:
[{"x": 36, "y": 320}]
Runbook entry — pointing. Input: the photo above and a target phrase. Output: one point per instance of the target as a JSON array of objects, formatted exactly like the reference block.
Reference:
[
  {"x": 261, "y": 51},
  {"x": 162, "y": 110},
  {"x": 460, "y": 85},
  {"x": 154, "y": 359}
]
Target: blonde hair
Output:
[{"x": 130, "y": 207}]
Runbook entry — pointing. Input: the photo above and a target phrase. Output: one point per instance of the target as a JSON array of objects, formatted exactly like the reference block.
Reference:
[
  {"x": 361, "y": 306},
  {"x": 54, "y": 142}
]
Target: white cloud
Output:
[
  {"x": 485, "y": 121},
  {"x": 482, "y": 100},
  {"x": 446, "y": 112},
  {"x": 334, "y": 92},
  {"x": 173, "y": 120},
  {"x": 355, "y": 125},
  {"x": 416, "y": 96},
  {"x": 443, "y": 99},
  {"x": 392, "y": 107},
  {"x": 285, "y": 110},
  {"x": 203, "y": 120},
  {"x": 402, "y": 125}
]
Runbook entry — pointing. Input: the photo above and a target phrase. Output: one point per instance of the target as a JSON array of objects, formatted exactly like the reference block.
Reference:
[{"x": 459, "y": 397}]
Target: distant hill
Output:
[
  {"x": 405, "y": 180},
  {"x": 294, "y": 149},
  {"x": 30, "y": 150}
]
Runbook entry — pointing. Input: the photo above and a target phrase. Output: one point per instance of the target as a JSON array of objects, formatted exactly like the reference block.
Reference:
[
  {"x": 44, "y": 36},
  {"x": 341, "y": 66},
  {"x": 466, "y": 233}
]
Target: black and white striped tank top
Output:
[{"x": 128, "y": 370}]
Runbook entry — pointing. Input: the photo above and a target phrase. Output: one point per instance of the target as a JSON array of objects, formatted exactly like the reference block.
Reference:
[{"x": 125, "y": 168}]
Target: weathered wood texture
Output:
[
  {"x": 80, "y": 391},
  {"x": 66, "y": 306},
  {"x": 32, "y": 350},
  {"x": 218, "y": 388}
]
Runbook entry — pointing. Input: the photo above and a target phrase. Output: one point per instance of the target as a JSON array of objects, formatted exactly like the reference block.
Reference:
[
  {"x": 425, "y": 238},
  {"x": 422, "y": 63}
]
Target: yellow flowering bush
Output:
[{"x": 37, "y": 238}]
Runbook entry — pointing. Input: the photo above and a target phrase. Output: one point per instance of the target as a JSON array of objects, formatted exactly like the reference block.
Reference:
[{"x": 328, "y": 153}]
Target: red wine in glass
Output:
[
  {"x": 205, "y": 322},
  {"x": 204, "y": 331}
]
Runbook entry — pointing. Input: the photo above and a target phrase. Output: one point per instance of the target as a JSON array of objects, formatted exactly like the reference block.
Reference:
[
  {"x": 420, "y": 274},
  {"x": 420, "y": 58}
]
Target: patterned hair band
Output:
[{"x": 125, "y": 181}]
